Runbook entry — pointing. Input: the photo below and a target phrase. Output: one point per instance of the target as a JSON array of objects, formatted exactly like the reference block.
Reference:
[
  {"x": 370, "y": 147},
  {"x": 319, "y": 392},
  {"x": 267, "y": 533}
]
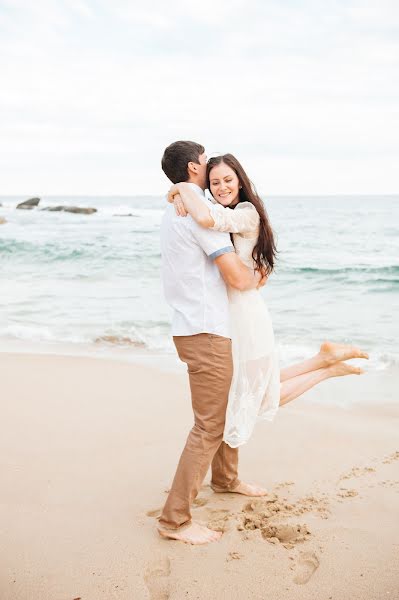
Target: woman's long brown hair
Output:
[{"x": 264, "y": 252}]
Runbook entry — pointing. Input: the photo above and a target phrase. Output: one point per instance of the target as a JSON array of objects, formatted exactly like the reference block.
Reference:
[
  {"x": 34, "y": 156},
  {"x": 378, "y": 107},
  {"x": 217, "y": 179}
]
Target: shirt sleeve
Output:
[
  {"x": 213, "y": 243},
  {"x": 242, "y": 219}
]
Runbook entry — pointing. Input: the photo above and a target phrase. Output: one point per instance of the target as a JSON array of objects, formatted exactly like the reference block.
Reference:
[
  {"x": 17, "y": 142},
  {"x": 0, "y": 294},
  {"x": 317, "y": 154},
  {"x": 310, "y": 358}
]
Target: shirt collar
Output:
[{"x": 197, "y": 188}]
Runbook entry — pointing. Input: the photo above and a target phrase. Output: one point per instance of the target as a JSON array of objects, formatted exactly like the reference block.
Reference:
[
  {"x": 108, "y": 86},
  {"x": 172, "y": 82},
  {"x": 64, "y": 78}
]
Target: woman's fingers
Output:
[
  {"x": 175, "y": 198},
  {"x": 179, "y": 207},
  {"x": 262, "y": 277},
  {"x": 173, "y": 192}
]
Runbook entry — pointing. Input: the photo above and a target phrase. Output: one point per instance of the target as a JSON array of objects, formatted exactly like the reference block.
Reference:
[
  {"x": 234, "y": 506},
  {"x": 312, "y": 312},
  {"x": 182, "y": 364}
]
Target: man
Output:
[{"x": 197, "y": 263}]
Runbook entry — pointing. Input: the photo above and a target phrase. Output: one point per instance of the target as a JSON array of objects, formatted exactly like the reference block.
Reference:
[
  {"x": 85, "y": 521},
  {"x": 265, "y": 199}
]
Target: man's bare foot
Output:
[
  {"x": 332, "y": 353},
  {"x": 195, "y": 534},
  {"x": 341, "y": 368},
  {"x": 249, "y": 489}
]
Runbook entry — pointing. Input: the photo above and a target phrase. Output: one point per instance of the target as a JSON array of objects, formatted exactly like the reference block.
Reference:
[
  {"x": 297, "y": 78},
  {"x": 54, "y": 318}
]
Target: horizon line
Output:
[{"x": 125, "y": 195}]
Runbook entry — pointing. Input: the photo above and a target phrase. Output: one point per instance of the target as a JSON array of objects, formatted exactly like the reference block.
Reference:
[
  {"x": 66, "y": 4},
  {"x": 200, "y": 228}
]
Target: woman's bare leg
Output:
[
  {"x": 294, "y": 387},
  {"x": 291, "y": 389},
  {"x": 310, "y": 374},
  {"x": 328, "y": 354}
]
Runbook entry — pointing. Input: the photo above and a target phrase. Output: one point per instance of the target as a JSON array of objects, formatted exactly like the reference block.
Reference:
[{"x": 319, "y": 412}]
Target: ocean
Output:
[{"x": 93, "y": 281}]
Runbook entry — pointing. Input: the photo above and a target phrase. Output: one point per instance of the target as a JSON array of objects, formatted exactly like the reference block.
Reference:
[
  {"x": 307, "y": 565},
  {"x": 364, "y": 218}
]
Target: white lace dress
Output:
[{"x": 255, "y": 387}]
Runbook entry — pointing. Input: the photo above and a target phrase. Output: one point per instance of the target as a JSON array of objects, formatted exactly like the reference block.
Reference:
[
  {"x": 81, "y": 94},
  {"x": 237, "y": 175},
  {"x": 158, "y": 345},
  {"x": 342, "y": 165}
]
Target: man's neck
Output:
[
  {"x": 197, "y": 187},
  {"x": 195, "y": 182}
]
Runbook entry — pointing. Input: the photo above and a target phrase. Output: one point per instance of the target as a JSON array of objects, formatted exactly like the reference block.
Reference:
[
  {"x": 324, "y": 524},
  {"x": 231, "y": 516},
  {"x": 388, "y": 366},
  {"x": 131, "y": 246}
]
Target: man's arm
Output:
[
  {"x": 218, "y": 247},
  {"x": 236, "y": 274}
]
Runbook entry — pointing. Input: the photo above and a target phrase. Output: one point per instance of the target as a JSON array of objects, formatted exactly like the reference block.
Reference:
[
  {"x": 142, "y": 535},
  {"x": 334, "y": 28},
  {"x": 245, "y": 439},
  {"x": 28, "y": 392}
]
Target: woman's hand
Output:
[
  {"x": 188, "y": 202},
  {"x": 179, "y": 206},
  {"x": 173, "y": 192},
  {"x": 262, "y": 275},
  {"x": 175, "y": 198}
]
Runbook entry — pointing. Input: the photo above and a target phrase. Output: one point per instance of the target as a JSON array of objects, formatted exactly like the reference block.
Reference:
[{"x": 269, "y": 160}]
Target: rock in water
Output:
[
  {"x": 71, "y": 209},
  {"x": 77, "y": 209},
  {"x": 29, "y": 204},
  {"x": 127, "y": 215}
]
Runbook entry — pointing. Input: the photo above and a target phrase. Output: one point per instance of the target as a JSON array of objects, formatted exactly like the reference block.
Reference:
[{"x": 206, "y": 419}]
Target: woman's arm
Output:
[
  {"x": 182, "y": 193},
  {"x": 243, "y": 219}
]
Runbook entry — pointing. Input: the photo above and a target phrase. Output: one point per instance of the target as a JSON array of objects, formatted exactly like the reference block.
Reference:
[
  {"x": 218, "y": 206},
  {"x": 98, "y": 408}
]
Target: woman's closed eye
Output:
[{"x": 215, "y": 182}]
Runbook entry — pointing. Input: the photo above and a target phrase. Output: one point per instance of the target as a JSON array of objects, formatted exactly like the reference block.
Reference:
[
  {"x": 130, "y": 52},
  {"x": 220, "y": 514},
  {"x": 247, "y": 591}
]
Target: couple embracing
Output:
[{"x": 216, "y": 255}]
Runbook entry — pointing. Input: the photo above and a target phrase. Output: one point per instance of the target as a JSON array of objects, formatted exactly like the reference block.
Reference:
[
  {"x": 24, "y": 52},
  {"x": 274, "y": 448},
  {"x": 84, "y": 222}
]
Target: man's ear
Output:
[{"x": 192, "y": 167}]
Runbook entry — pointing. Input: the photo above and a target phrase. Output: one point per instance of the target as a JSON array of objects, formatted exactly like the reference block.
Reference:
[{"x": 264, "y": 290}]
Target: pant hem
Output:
[
  {"x": 172, "y": 529},
  {"x": 221, "y": 490}
]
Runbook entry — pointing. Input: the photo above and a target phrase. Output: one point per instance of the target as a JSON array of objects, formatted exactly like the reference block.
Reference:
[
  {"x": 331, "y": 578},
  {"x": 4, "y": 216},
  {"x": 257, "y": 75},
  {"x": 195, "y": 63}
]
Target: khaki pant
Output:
[{"x": 210, "y": 368}]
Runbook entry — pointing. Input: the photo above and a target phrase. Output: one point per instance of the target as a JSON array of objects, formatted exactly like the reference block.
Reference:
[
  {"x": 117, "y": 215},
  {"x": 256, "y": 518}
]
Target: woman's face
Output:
[{"x": 224, "y": 185}]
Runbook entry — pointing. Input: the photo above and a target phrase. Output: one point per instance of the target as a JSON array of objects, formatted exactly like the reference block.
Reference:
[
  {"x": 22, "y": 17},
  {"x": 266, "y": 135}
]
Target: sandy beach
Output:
[{"x": 89, "y": 446}]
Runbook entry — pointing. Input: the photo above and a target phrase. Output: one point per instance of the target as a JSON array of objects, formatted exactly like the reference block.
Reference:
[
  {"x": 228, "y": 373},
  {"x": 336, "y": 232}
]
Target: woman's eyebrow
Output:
[{"x": 225, "y": 177}]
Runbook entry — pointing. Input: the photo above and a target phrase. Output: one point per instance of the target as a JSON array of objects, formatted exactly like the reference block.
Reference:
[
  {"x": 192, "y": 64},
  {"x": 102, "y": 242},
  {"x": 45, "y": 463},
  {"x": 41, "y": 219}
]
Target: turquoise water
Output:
[{"x": 68, "y": 278}]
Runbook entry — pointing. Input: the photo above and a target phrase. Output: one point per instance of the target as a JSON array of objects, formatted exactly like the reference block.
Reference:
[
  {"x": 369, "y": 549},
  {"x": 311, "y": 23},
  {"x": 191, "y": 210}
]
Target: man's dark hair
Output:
[{"x": 176, "y": 158}]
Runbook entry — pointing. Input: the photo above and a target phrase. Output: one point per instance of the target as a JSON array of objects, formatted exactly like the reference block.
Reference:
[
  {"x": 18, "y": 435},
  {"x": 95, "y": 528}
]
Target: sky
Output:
[{"x": 304, "y": 93}]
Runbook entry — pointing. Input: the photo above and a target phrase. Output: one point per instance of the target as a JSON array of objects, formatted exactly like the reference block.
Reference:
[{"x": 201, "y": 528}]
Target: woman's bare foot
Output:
[
  {"x": 249, "y": 489},
  {"x": 341, "y": 368},
  {"x": 332, "y": 353},
  {"x": 195, "y": 534}
]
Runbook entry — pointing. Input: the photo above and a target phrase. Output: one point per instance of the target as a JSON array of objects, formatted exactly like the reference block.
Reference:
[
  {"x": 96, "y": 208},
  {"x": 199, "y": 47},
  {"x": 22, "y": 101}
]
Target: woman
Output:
[{"x": 258, "y": 386}]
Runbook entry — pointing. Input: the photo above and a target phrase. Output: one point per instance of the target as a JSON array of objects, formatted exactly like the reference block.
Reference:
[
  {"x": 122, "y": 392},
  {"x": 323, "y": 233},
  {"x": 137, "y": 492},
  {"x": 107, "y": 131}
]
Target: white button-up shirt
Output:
[{"x": 193, "y": 285}]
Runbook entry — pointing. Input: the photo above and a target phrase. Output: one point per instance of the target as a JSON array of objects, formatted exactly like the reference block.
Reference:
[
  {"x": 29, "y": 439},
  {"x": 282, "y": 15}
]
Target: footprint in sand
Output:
[
  {"x": 389, "y": 483},
  {"x": 357, "y": 472},
  {"x": 345, "y": 493},
  {"x": 156, "y": 578},
  {"x": 391, "y": 458},
  {"x": 283, "y": 484},
  {"x": 233, "y": 556},
  {"x": 156, "y": 512},
  {"x": 285, "y": 533},
  {"x": 307, "y": 564},
  {"x": 219, "y": 519},
  {"x": 199, "y": 502}
]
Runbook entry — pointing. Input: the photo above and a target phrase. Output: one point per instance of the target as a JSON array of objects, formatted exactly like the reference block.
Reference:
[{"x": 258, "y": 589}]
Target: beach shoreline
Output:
[
  {"x": 89, "y": 448},
  {"x": 69, "y": 279},
  {"x": 163, "y": 359}
]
